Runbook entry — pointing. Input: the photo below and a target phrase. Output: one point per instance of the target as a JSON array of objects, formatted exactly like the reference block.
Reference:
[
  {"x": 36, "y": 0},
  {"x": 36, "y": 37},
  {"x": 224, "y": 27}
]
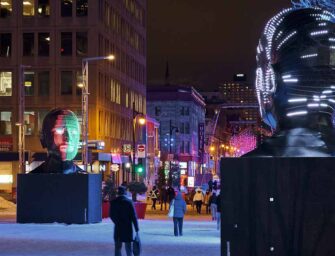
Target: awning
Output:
[
  {"x": 125, "y": 159},
  {"x": 8, "y": 156},
  {"x": 116, "y": 159},
  {"x": 103, "y": 157}
]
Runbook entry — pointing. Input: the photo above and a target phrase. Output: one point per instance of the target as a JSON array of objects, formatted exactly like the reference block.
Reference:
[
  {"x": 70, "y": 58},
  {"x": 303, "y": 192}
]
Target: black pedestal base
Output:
[
  {"x": 278, "y": 206},
  {"x": 47, "y": 198}
]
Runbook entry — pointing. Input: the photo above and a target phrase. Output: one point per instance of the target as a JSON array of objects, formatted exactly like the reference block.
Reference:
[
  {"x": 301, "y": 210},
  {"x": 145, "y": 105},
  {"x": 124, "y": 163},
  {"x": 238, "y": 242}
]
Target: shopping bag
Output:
[
  {"x": 137, "y": 247},
  {"x": 171, "y": 210}
]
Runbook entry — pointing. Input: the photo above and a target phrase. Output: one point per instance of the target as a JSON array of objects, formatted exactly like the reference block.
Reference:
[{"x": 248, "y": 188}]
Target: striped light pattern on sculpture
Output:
[{"x": 295, "y": 62}]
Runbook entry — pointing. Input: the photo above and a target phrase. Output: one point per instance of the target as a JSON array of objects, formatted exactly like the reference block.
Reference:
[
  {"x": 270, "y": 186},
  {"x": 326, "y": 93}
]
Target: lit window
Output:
[
  {"x": 28, "y": 8},
  {"x": 29, "y": 122},
  {"x": 5, "y": 8},
  {"x": 5, "y": 83},
  {"x": 29, "y": 83},
  {"x": 5, "y": 123},
  {"x": 79, "y": 80},
  {"x": 43, "y": 8}
]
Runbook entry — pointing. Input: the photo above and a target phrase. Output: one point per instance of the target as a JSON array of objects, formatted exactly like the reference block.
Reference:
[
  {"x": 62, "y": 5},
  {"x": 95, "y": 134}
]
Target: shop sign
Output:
[
  {"x": 141, "y": 150},
  {"x": 115, "y": 167},
  {"x": 182, "y": 171},
  {"x": 190, "y": 182},
  {"x": 127, "y": 148},
  {"x": 6, "y": 144},
  {"x": 183, "y": 165},
  {"x": 201, "y": 140},
  {"x": 166, "y": 165},
  {"x": 102, "y": 167}
]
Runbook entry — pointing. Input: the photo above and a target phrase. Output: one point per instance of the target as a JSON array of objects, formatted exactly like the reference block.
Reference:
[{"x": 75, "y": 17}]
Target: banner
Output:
[{"x": 201, "y": 141}]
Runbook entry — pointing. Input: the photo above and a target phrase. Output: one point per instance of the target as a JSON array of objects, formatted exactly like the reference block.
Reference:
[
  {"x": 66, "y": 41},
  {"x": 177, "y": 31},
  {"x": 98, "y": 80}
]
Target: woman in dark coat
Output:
[
  {"x": 178, "y": 214},
  {"x": 122, "y": 213}
]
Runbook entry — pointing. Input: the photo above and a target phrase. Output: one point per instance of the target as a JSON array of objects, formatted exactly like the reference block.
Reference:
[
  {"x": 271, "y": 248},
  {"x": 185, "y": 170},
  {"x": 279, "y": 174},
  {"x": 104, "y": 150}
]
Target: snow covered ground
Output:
[{"x": 200, "y": 239}]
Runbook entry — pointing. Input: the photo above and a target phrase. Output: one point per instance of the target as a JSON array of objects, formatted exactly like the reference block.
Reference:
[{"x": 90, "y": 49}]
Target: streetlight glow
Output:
[{"x": 141, "y": 121}]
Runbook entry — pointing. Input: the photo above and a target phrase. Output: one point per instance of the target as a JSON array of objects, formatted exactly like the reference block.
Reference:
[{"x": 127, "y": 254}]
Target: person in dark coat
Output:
[
  {"x": 218, "y": 211},
  {"x": 122, "y": 213},
  {"x": 178, "y": 214},
  {"x": 163, "y": 197},
  {"x": 171, "y": 193}
]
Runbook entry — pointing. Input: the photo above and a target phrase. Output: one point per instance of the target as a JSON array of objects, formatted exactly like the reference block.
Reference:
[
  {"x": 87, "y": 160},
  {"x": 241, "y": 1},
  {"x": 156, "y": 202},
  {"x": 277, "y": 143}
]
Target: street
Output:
[{"x": 156, "y": 233}]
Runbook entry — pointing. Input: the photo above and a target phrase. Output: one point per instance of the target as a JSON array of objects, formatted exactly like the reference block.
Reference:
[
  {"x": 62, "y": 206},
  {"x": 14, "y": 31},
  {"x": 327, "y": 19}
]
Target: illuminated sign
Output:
[
  {"x": 6, "y": 179},
  {"x": 182, "y": 171},
  {"x": 183, "y": 165},
  {"x": 115, "y": 167},
  {"x": 190, "y": 182}
]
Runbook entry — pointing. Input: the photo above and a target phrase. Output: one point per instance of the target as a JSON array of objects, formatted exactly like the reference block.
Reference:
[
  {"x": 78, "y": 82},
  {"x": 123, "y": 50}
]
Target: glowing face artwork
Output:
[
  {"x": 295, "y": 60},
  {"x": 66, "y": 136}
]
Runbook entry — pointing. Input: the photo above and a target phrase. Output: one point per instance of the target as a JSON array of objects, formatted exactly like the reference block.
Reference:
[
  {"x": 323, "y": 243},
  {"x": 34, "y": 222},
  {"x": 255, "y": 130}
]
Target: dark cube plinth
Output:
[
  {"x": 278, "y": 206},
  {"x": 47, "y": 198}
]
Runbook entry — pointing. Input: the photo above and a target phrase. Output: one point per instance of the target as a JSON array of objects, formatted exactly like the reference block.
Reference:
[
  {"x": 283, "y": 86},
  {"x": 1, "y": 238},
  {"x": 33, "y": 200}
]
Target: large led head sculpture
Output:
[
  {"x": 60, "y": 134},
  {"x": 295, "y": 77}
]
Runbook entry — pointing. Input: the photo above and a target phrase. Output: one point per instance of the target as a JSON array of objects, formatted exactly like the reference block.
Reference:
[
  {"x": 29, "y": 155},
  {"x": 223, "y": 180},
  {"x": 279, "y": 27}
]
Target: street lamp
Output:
[
  {"x": 141, "y": 121},
  {"x": 84, "y": 105},
  {"x": 20, "y": 123}
]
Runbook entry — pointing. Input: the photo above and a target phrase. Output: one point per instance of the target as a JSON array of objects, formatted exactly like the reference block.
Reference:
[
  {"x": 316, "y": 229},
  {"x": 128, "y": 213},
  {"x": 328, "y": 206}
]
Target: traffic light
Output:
[{"x": 139, "y": 168}]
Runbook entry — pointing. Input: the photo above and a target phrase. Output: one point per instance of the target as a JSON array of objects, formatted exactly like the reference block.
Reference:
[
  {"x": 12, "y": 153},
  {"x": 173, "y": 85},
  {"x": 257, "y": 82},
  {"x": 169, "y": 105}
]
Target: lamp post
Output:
[
  {"x": 141, "y": 122},
  {"x": 20, "y": 123},
  {"x": 170, "y": 148},
  {"x": 84, "y": 105}
]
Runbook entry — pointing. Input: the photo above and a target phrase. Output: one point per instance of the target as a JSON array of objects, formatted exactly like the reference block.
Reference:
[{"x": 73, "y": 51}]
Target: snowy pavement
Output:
[{"x": 200, "y": 239}]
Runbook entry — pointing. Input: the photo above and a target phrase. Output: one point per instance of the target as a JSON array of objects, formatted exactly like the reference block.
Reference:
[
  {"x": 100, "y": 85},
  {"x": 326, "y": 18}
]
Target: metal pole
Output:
[
  {"x": 170, "y": 151},
  {"x": 84, "y": 108},
  {"x": 21, "y": 137},
  {"x": 134, "y": 132}
]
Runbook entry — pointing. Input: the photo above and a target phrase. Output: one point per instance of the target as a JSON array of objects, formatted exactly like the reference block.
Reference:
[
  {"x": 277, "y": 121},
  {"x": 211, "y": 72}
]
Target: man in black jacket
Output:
[{"x": 122, "y": 213}]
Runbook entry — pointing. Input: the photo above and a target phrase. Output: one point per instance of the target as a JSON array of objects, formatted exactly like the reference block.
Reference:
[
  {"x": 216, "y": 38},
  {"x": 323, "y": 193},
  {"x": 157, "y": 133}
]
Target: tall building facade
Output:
[
  {"x": 51, "y": 38},
  {"x": 179, "y": 110}
]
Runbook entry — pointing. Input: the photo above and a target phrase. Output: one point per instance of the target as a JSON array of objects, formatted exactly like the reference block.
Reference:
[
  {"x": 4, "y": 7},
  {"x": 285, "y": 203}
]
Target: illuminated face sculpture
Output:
[
  {"x": 60, "y": 134},
  {"x": 295, "y": 78}
]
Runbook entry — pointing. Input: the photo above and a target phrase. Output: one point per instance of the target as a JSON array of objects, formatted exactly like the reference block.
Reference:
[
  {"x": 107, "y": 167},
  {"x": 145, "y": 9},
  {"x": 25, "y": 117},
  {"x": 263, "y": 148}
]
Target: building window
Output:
[
  {"x": 28, "y": 44},
  {"x": 43, "y": 8},
  {"x": 5, "y": 8},
  {"x": 5, "y": 44},
  {"x": 182, "y": 147},
  {"x": 187, "y": 111},
  {"x": 43, "y": 44},
  {"x": 66, "y": 8},
  {"x": 66, "y": 44},
  {"x": 82, "y": 8},
  {"x": 29, "y": 84},
  {"x": 81, "y": 43},
  {"x": 66, "y": 83},
  {"x": 5, "y": 123},
  {"x": 5, "y": 83},
  {"x": 187, "y": 128},
  {"x": 188, "y": 148},
  {"x": 182, "y": 128},
  {"x": 79, "y": 82},
  {"x": 29, "y": 122},
  {"x": 28, "y": 8},
  {"x": 157, "y": 111},
  {"x": 43, "y": 83}
]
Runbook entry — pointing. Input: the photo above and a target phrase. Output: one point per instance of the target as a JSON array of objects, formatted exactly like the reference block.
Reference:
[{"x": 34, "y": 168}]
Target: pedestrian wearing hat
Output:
[{"x": 122, "y": 213}]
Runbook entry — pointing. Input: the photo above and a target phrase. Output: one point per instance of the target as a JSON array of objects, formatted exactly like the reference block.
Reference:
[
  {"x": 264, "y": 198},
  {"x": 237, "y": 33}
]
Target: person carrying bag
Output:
[
  {"x": 171, "y": 210},
  {"x": 137, "y": 246}
]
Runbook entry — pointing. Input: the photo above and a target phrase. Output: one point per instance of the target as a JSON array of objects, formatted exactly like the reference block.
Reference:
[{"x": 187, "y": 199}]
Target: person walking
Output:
[
  {"x": 218, "y": 211},
  {"x": 178, "y": 214},
  {"x": 122, "y": 213},
  {"x": 198, "y": 199},
  {"x": 163, "y": 197},
  {"x": 206, "y": 201},
  {"x": 212, "y": 204},
  {"x": 171, "y": 194},
  {"x": 154, "y": 196}
]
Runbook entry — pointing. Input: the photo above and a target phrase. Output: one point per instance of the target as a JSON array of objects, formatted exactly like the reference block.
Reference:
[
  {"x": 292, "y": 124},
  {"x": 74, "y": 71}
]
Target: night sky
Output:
[{"x": 206, "y": 42}]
